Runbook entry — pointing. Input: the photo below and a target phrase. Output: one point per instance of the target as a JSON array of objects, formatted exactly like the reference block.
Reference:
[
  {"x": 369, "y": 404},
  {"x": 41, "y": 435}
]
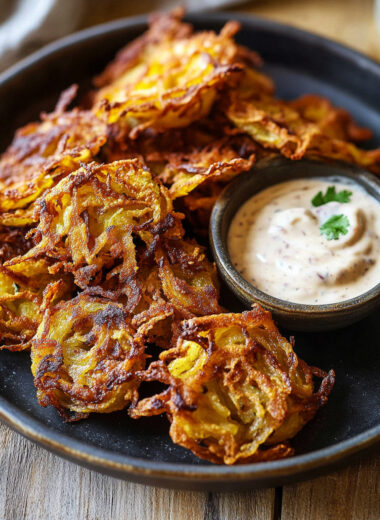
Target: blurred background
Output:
[{"x": 26, "y": 25}]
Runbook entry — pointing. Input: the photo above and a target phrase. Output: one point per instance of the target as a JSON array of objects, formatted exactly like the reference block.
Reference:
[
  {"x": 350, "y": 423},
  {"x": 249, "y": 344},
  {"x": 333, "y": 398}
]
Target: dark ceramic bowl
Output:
[{"x": 295, "y": 316}]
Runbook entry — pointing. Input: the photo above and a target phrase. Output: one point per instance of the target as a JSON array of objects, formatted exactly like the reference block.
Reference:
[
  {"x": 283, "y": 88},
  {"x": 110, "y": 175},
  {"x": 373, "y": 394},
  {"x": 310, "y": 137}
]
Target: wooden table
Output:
[{"x": 36, "y": 485}]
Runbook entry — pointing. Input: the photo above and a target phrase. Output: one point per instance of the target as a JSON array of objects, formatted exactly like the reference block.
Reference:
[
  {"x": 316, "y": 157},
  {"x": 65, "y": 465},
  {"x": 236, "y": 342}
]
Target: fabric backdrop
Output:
[{"x": 26, "y": 25}]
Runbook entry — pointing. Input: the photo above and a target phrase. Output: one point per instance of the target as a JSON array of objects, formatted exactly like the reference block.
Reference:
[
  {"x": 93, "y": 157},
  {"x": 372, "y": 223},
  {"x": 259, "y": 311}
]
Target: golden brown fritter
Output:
[
  {"x": 277, "y": 125},
  {"x": 163, "y": 27},
  {"x": 209, "y": 151},
  {"x": 170, "y": 83},
  {"x": 22, "y": 287},
  {"x": 237, "y": 391},
  {"x": 195, "y": 163},
  {"x": 200, "y": 160},
  {"x": 41, "y": 153},
  {"x": 90, "y": 220},
  {"x": 84, "y": 357},
  {"x": 198, "y": 205},
  {"x": 188, "y": 279},
  {"x": 176, "y": 282},
  {"x": 19, "y": 310},
  {"x": 333, "y": 122}
]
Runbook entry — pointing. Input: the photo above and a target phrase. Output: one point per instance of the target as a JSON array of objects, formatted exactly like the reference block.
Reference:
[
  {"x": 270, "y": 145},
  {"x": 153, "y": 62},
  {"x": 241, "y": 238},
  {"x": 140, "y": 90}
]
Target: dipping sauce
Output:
[{"x": 294, "y": 250}]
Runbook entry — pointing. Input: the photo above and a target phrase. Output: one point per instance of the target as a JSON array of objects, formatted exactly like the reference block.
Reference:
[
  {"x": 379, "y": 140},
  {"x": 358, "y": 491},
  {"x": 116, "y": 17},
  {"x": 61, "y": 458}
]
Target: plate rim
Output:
[
  {"x": 144, "y": 470},
  {"x": 73, "y": 449}
]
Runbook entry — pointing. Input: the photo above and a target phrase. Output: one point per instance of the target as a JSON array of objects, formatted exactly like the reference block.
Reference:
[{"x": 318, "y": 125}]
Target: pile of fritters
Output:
[{"x": 100, "y": 212}]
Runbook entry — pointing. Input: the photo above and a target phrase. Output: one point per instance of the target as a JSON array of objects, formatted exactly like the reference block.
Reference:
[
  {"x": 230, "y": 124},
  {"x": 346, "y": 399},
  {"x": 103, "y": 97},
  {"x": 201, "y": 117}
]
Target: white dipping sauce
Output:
[{"x": 276, "y": 244}]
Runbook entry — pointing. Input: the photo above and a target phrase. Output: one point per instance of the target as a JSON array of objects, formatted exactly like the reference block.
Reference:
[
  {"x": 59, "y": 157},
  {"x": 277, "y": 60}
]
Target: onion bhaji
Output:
[
  {"x": 188, "y": 279},
  {"x": 43, "y": 152},
  {"x": 333, "y": 122},
  {"x": 236, "y": 389},
  {"x": 22, "y": 289},
  {"x": 201, "y": 157},
  {"x": 96, "y": 266},
  {"x": 85, "y": 355},
  {"x": 90, "y": 220},
  {"x": 19, "y": 309},
  {"x": 191, "y": 161},
  {"x": 170, "y": 83},
  {"x": 277, "y": 125},
  {"x": 177, "y": 282}
]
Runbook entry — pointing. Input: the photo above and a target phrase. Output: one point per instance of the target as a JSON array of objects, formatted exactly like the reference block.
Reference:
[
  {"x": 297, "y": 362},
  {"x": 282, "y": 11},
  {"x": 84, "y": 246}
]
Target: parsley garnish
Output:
[
  {"x": 330, "y": 196},
  {"x": 335, "y": 226}
]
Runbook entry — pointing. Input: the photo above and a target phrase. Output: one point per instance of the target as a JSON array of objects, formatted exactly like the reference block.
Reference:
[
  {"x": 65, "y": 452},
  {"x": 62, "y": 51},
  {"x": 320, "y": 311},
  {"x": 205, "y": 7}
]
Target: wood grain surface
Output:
[{"x": 36, "y": 485}]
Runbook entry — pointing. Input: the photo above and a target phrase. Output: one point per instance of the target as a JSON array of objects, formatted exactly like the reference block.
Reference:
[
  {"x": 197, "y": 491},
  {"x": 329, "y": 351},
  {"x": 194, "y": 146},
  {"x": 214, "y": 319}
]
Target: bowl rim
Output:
[
  {"x": 147, "y": 471},
  {"x": 248, "y": 291}
]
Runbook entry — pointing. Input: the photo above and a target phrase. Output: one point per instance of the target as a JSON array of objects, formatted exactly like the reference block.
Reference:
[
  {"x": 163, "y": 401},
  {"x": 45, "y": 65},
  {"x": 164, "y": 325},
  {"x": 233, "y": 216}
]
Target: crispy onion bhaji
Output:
[
  {"x": 23, "y": 287},
  {"x": 333, "y": 122},
  {"x": 13, "y": 242},
  {"x": 236, "y": 389},
  {"x": 42, "y": 153},
  {"x": 278, "y": 125},
  {"x": 89, "y": 221},
  {"x": 163, "y": 28},
  {"x": 198, "y": 205},
  {"x": 19, "y": 310},
  {"x": 177, "y": 281},
  {"x": 218, "y": 161},
  {"x": 185, "y": 159},
  {"x": 194, "y": 163},
  {"x": 85, "y": 355},
  {"x": 188, "y": 279},
  {"x": 168, "y": 84},
  {"x": 191, "y": 162}
]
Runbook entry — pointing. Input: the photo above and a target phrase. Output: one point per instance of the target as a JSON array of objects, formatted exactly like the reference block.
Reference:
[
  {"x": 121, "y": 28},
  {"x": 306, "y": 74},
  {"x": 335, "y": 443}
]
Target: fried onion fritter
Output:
[
  {"x": 165, "y": 27},
  {"x": 189, "y": 280},
  {"x": 277, "y": 125},
  {"x": 88, "y": 222},
  {"x": 19, "y": 309},
  {"x": 84, "y": 357},
  {"x": 236, "y": 389},
  {"x": 43, "y": 152},
  {"x": 333, "y": 122},
  {"x": 184, "y": 159},
  {"x": 218, "y": 161},
  {"x": 177, "y": 282},
  {"x": 169, "y": 84},
  {"x": 22, "y": 287},
  {"x": 13, "y": 242},
  {"x": 197, "y": 206}
]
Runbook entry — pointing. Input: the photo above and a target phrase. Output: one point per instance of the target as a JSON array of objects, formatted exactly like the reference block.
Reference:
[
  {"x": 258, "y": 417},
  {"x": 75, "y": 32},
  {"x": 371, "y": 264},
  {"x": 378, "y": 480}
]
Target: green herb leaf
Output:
[
  {"x": 330, "y": 196},
  {"x": 335, "y": 226}
]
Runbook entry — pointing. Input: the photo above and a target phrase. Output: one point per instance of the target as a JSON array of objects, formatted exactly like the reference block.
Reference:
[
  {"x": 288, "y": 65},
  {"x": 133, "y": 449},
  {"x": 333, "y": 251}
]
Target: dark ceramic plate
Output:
[{"x": 142, "y": 450}]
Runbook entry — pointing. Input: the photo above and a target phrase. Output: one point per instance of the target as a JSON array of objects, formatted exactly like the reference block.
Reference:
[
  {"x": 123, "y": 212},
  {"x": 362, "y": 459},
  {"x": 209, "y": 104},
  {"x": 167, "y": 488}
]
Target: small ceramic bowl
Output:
[{"x": 294, "y": 316}]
